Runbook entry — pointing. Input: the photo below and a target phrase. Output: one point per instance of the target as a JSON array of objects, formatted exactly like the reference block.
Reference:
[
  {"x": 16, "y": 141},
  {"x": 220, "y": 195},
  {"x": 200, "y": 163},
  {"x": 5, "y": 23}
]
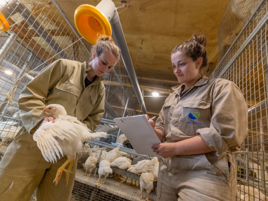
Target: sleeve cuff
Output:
[
  {"x": 157, "y": 126},
  {"x": 213, "y": 139},
  {"x": 31, "y": 128}
]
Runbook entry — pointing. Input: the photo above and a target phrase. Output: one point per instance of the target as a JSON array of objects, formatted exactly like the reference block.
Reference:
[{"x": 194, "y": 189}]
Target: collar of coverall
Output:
[
  {"x": 177, "y": 89},
  {"x": 87, "y": 67}
]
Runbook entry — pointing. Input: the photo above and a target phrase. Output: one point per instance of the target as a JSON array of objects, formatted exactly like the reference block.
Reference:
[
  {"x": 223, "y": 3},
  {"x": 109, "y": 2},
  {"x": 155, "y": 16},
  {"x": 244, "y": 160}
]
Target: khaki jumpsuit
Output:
[
  {"x": 23, "y": 168},
  {"x": 216, "y": 110}
]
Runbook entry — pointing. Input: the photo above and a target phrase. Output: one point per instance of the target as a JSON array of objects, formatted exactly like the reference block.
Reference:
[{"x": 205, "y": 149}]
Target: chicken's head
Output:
[{"x": 55, "y": 110}]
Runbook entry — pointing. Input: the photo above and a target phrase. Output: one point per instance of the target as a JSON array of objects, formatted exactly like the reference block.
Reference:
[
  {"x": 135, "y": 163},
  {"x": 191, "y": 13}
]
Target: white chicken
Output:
[
  {"x": 97, "y": 154},
  {"x": 155, "y": 172},
  {"x": 63, "y": 137},
  {"x": 146, "y": 183},
  {"x": 113, "y": 154},
  {"x": 104, "y": 170},
  {"x": 132, "y": 169},
  {"x": 146, "y": 165},
  {"x": 122, "y": 163},
  {"x": 121, "y": 139},
  {"x": 93, "y": 158},
  {"x": 90, "y": 164}
]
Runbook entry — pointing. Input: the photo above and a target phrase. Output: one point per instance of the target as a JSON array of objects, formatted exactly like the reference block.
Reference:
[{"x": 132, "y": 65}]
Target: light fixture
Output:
[
  {"x": 9, "y": 72},
  {"x": 155, "y": 94}
]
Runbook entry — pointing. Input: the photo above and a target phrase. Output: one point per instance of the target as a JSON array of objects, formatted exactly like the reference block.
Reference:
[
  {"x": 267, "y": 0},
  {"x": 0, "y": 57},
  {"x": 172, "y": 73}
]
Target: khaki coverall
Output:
[
  {"x": 216, "y": 110},
  {"x": 23, "y": 167}
]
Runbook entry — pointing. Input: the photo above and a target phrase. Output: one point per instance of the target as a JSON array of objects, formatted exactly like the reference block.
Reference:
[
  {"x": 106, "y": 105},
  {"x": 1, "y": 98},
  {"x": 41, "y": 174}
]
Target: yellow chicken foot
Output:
[
  {"x": 69, "y": 171},
  {"x": 89, "y": 175},
  {"x": 3, "y": 143},
  {"x": 104, "y": 180},
  {"x": 141, "y": 195},
  {"x": 61, "y": 169},
  {"x": 147, "y": 197},
  {"x": 98, "y": 181}
]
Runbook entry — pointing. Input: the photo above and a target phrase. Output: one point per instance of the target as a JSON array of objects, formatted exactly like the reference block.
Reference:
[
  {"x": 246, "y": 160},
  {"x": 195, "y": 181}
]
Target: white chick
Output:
[
  {"x": 155, "y": 161},
  {"x": 146, "y": 165},
  {"x": 97, "y": 154},
  {"x": 142, "y": 166},
  {"x": 146, "y": 183},
  {"x": 122, "y": 163},
  {"x": 121, "y": 139},
  {"x": 90, "y": 164},
  {"x": 126, "y": 154},
  {"x": 104, "y": 170},
  {"x": 132, "y": 169},
  {"x": 63, "y": 137},
  {"x": 86, "y": 147},
  {"x": 155, "y": 172},
  {"x": 113, "y": 154}
]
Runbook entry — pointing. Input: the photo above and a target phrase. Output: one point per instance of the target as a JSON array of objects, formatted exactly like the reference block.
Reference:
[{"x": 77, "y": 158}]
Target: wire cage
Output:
[
  {"x": 235, "y": 17},
  {"x": 245, "y": 63},
  {"x": 38, "y": 34}
]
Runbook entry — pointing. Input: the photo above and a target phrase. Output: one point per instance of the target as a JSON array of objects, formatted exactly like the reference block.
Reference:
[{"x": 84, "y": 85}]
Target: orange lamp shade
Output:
[
  {"x": 4, "y": 25},
  {"x": 91, "y": 23}
]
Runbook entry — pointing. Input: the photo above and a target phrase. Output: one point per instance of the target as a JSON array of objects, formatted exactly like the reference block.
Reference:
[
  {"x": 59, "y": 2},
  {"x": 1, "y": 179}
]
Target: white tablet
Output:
[{"x": 139, "y": 132}]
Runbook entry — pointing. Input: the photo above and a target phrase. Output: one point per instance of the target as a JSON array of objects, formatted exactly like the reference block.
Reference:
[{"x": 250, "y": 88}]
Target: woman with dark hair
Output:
[
  {"x": 78, "y": 88},
  {"x": 200, "y": 124}
]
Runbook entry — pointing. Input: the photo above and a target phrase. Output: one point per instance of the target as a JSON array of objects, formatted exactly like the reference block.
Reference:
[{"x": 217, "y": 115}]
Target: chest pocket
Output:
[
  {"x": 94, "y": 99},
  {"x": 195, "y": 114},
  {"x": 168, "y": 108},
  {"x": 69, "y": 88}
]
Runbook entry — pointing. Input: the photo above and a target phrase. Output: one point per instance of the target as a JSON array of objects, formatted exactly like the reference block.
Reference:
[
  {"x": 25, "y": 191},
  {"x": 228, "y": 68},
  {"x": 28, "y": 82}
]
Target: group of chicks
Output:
[{"x": 146, "y": 169}]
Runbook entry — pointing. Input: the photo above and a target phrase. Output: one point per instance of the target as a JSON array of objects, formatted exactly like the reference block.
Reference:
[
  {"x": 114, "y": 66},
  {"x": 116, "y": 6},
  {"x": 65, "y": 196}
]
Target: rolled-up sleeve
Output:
[
  {"x": 229, "y": 121},
  {"x": 33, "y": 97}
]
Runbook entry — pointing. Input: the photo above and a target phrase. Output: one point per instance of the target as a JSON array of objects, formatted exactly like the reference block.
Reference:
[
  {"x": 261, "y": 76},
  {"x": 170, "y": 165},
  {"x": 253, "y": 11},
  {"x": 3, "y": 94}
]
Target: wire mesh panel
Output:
[
  {"x": 234, "y": 18},
  {"x": 83, "y": 192},
  {"x": 86, "y": 188},
  {"x": 246, "y": 64},
  {"x": 38, "y": 35}
]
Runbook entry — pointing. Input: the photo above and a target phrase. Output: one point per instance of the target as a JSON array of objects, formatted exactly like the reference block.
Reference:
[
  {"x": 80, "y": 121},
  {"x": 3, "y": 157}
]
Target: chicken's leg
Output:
[
  {"x": 61, "y": 169},
  {"x": 98, "y": 181},
  {"x": 105, "y": 176},
  {"x": 141, "y": 194},
  {"x": 89, "y": 175},
  {"x": 69, "y": 171},
  {"x": 147, "y": 196},
  {"x": 3, "y": 143},
  {"x": 123, "y": 179}
]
